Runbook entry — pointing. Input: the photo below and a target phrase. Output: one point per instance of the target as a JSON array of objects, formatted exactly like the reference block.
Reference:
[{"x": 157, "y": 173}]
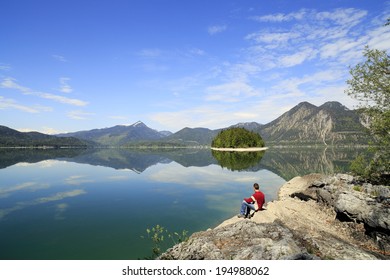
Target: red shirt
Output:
[{"x": 259, "y": 199}]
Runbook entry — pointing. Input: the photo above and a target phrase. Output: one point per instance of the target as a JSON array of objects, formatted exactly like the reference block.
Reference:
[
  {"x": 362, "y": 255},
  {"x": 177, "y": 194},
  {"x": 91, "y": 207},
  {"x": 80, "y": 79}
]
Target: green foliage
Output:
[
  {"x": 370, "y": 81},
  {"x": 358, "y": 188},
  {"x": 359, "y": 166},
  {"x": 237, "y": 161},
  {"x": 370, "y": 84},
  {"x": 161, "y": 238},
  {"x": 237, "y": 137}
]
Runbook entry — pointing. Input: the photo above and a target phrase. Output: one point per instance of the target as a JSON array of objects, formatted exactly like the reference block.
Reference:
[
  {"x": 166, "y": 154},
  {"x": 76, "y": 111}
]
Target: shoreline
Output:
[{"x": 253, "y": 149}]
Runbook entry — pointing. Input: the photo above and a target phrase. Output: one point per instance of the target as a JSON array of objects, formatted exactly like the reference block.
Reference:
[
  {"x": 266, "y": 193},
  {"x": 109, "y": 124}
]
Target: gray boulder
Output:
[
  {"x": 358, "y": 207},
  {"x": 243, "y": 240}
]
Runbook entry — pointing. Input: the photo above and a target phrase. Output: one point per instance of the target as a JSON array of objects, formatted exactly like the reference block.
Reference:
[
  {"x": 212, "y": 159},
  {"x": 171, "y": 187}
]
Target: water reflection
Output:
[
  {"x": 41, "y": 200},
  {"x": 291, "y": 162},
  {"x": 285, "y": 162},
  {"x": 237, "y": 161},
  {"x": 61, "y": 204}
]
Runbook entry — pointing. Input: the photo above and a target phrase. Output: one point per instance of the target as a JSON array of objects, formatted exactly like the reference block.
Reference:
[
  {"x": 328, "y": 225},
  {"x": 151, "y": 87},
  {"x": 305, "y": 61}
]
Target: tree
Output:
[
  {"x": 370, "y": 84},
  {"x": 237, "y": 137}
]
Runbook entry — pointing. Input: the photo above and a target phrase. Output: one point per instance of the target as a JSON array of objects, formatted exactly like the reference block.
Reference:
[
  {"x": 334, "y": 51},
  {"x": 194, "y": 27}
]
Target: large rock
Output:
[
  {"x": 242, "y": 240},
  {"x": 354, "y": 201},
  {"x": 358, "y": 207}
]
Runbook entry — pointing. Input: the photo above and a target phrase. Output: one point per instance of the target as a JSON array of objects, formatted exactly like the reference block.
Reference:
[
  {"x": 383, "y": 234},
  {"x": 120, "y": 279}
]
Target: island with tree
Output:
[{"x": 238, "y": 139}]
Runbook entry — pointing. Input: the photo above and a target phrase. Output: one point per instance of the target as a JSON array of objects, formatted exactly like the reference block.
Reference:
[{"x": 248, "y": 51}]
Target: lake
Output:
[{"x": 97, "y": 204}]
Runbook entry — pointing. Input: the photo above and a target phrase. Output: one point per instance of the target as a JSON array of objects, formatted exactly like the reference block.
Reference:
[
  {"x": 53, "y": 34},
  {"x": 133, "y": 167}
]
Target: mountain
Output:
[
  {"x": 119, "y": 135},
  {"x": 330, "y": 123},
  {"x": 13, "y": 138},
  {"x": 305, "y": 124},
  {"x": 193, "y": 136},
  {"x": 252, "y": 126},
  {"x": 165, "y": 133},
  {"x": 204, "y": 136}
]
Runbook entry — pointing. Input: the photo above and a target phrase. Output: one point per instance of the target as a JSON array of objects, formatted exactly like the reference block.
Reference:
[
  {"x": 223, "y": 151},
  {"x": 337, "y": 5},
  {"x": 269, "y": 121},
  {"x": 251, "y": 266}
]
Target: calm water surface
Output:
[{"x": 97, "y": 204}]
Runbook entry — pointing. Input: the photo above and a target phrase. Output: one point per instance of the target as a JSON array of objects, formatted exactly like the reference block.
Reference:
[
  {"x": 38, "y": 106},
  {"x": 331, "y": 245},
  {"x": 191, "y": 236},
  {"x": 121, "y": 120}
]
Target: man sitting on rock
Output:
[{"x": 255, "y": 202}]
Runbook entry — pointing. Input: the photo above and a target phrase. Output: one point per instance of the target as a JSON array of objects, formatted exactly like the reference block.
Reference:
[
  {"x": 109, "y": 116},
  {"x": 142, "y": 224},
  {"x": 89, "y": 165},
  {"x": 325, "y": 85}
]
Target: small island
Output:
[
  {"x": 238, "y": 139},
  {"x": 254, "y": 149}
]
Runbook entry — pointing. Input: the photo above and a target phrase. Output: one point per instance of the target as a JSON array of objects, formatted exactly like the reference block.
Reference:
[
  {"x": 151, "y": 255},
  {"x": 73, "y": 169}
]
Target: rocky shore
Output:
[{"x": 315, "y": 217}]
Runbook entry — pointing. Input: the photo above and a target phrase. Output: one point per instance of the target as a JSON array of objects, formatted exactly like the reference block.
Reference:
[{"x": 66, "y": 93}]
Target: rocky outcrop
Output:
[
  {"x": 315, "y": 217},
  {"x": 241, "y": 240}
]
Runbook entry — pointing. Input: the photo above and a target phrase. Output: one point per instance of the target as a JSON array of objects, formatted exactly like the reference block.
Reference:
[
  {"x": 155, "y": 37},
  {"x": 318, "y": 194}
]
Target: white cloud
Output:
[
  {"x": 297, "y": 58},
  {"x": 6, "y": 103},
  {"x": 347, "y": 17},
  {"x": 379, "y": 38},
  {"x": 61, "y": 99},
  {"x": 337, "y": 37},
  {"x": 211, "y": 116},
  {"x": 280, "y": 17},
  {"x": 64, "y": 86},
  {"x": 11, "y": 84},
  {"x": 59, "y": 58},
  {"x": 294, "y": 86},
  {"x": 240, "y": 72},
  {"x": 202, "y": 116},
  {"x": 230, "y": 92},
  {"x": 4, "y": 67},
  {"x": 334, "y": 49},
  {"x": 212, "y": 30},
  {"x": 273, "y": 37},
  {"x": 79, "y": 115}
]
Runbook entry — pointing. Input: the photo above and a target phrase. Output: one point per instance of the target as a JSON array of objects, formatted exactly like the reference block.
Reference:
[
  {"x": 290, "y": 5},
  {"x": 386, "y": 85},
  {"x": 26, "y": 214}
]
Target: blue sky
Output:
[{"x": 77, "y": 65}]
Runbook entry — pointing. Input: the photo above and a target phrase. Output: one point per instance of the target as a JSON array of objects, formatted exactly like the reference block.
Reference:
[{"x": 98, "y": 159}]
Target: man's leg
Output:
[
  {"x": 250, "y": 206},
  {"x": 245, "y": 208},
  {"x": 248, "y": 211}
]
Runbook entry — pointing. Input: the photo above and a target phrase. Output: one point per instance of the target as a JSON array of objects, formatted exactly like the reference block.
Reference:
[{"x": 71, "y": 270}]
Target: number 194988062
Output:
[{"x": 242, "y": 270}]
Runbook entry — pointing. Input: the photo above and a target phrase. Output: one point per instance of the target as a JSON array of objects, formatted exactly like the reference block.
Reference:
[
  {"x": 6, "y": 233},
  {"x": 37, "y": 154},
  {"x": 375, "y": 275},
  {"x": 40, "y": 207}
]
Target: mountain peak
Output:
[
  {"x": 138, "y": 124},
  {"x": 305, "y": 104},
  {"x": 334, "y": 105},
  {"x": 248, "y": 125}
]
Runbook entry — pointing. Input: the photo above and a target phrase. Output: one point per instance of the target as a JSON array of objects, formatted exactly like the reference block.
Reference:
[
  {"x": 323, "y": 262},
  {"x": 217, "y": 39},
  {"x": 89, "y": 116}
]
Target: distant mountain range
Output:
[
  {"x": 13, "y": 138},
  {"x": 329, "y": 124},
  {"x": 119, "y": 135}
]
